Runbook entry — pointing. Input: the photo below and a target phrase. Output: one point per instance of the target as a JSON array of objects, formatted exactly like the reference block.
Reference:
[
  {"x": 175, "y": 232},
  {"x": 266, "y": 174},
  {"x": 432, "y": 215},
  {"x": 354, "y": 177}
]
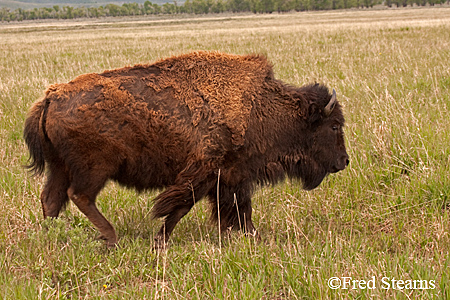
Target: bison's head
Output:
[{"x": 323, "y": 151}]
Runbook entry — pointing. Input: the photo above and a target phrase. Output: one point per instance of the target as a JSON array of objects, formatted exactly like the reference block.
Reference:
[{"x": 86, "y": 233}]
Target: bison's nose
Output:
[
  {"x": 341, "y": 163},
  {"x": 345, "y": 161}
]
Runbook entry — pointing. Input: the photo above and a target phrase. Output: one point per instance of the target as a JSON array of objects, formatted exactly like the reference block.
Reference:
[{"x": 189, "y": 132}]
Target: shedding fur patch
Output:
[{"x": 214, "y": 85}]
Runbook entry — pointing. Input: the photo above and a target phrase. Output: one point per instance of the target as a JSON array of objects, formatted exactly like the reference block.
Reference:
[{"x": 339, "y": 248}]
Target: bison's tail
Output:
[{"x": 35, "y": 136}]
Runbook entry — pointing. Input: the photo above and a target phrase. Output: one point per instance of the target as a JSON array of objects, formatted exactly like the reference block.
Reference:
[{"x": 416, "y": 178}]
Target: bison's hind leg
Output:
[
  {"x": 83, "y": 194},
  {"x": 54, "y": 195}
]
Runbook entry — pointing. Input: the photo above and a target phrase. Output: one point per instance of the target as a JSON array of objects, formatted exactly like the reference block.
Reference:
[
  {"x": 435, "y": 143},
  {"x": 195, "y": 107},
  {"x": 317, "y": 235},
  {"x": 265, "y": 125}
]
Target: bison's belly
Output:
[{"x": 148, "y": 171}]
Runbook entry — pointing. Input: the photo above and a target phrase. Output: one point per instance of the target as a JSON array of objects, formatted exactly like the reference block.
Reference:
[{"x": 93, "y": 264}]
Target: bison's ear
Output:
[{"x": 314, "y": 113}]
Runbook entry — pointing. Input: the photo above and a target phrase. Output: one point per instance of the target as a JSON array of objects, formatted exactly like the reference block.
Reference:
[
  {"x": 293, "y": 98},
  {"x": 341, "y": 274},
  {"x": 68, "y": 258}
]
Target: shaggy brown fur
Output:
[{"x": 194, "y": 124}]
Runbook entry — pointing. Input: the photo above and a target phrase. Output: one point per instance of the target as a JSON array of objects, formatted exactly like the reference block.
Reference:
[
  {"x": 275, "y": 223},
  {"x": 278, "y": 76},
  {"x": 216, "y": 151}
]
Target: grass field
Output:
[{"x": 386, "y": 217}]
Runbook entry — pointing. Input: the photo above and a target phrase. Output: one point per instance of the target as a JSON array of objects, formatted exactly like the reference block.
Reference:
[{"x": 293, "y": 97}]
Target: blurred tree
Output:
[{"x": 199, "y": 7}]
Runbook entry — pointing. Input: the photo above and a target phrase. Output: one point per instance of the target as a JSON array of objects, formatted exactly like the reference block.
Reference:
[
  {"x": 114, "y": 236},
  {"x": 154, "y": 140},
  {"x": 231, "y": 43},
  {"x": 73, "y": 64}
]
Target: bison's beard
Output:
[
  {"x": 310, "y": 174},
  {"x": 311, "y": 183},
  {"x": 307, "y": 170}
]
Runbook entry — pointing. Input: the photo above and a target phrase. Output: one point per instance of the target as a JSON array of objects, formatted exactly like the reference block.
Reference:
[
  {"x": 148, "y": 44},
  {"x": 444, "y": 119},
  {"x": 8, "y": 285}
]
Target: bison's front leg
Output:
[
  {"x": 177, "y": 200},
  {"x": 232, "y": 208},
  {"x": 173, "y": 204},
  {"x": 170, "y": 222}
]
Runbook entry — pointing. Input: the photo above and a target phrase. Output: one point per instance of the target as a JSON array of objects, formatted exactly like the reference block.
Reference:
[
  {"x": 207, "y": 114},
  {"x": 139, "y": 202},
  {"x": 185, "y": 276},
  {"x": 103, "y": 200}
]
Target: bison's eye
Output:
[{"x": 335, "y": 127}]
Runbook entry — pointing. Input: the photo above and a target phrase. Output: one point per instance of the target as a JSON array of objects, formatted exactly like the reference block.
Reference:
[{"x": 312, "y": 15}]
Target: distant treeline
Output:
[{"x": 198, "y": 7}]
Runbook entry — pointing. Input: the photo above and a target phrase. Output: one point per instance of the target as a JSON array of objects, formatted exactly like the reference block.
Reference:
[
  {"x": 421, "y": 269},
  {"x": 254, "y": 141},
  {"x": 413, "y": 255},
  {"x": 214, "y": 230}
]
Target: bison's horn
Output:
[{"x": 330, "y": 106}]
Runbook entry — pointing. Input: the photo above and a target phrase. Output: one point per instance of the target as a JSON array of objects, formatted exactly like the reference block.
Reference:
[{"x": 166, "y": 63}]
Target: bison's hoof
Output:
[
  {"x": 110, "y": 242},
  {"x": 160, "y": 245},
  {"x": 253, "y": 234}
]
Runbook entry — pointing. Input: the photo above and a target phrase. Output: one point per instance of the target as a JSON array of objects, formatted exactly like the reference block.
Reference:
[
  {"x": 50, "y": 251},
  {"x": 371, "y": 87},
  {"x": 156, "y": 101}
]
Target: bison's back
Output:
[{"x": 218, "y": 89}]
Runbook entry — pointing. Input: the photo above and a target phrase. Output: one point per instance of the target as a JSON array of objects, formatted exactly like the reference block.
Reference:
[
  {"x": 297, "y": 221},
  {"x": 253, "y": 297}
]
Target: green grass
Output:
[{"x": 386, "y": 215}]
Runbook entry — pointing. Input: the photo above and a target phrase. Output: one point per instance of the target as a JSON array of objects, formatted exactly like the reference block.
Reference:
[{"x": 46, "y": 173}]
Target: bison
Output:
[{"x": 201, "y": 125}]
